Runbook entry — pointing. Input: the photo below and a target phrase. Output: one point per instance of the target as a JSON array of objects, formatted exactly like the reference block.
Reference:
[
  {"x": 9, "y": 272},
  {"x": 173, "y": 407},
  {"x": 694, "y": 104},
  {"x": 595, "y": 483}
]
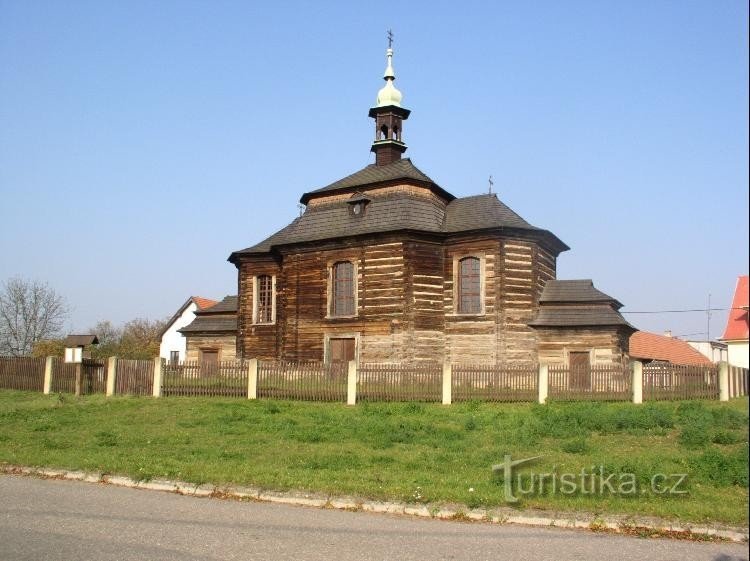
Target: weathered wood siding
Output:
[
  {"x": 406, "y": 309},
  {"x": 606, "y": 345},
  {"x": 225, "y": 344}
]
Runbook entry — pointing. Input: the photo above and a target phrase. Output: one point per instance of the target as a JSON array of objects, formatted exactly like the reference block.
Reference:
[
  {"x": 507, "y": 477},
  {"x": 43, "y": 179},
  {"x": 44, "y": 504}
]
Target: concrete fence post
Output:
[
  {"x": 158, "y": 364},
  {"x": 111, "y": 375},
  {"x": 447, "y": 383},
  {"x": 543, "y": 385},
  {"x": 48, "y": 375},
  {"x": 252, "y": 378},
  {"x": 351, "y": 383},
  {"x": 637, "y": 381},
  {"x": 723, "y": 381}
]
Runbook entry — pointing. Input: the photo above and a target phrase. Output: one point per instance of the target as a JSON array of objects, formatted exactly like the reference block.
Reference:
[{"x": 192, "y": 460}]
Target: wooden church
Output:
[{"x": 385, "y": 265}]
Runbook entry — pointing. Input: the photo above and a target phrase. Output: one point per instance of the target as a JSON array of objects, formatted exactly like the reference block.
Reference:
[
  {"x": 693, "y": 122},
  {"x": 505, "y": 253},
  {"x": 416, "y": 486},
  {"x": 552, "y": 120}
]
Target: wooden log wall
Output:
[
  {"x": 226, "y": 345},
  {"x": 405, "y": 301},
  {"x": 607, "y": 345}
]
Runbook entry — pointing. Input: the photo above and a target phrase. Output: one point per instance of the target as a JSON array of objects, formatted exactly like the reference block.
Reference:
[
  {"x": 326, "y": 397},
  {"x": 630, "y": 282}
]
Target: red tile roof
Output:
[
  {"x": 203, "y": 303},
  {"x": 650, "y": 346},
  {"x": 737, "y": 323}
]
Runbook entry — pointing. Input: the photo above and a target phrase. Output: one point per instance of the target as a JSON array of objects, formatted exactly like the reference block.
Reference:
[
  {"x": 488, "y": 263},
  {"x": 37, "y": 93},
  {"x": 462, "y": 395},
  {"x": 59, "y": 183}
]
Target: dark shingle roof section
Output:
[
  {"x": 400, "y": 169},
  {"x": 571, "y": 291},
  {"x": 578, "y": 316},
  {"x": 227, "y": 306},
  {"x": 480, "y": 212},
  {"x": 211, "y": 324},
  {"x": 80, "y": 340},
  {"x": 576, "y": 303}
]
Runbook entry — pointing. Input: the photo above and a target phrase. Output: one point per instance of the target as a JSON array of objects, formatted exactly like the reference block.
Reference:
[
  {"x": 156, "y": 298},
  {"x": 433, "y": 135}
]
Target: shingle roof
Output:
[
  {"x": 80, "y": 340},
  {"x": 650, "y": 346},
  {"x": 737, "y": 322},
  {"x": 398, "y": 211},
  {"x": 400, "y": 169},
  {"x": 576, "y": 303},
  {"x": 481, "y": 211},
  {"x": 579, "y": 290},
  {"x": 578, "y": 316},
  {"x": 211, "y": 324},
  {"x": 227, "y": 305}
]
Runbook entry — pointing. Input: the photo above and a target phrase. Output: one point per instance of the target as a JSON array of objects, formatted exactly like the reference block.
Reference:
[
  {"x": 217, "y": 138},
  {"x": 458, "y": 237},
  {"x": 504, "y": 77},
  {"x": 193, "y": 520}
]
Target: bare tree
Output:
[{"x": 29, "y": 312}]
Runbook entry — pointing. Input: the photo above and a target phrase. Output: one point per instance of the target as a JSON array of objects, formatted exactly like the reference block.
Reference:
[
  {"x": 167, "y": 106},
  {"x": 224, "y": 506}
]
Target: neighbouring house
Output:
[
  {"x": 385, "y": 265},
  {"x": 736, "y": 332},
  {"x": 715, "y": 351},
  {"x": 173, "y": 343},
  {"x": 650, "y": 347},
  {"x": 212, "y": 336}
]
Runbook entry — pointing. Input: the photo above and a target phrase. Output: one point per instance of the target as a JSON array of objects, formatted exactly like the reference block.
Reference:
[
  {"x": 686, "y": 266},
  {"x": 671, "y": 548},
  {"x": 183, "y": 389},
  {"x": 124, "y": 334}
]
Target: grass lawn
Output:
[{"x": 405, "y": 451}]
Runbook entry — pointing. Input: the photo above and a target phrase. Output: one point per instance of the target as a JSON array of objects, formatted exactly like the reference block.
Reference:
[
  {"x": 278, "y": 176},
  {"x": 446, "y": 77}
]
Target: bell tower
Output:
[{"x": 389, "y": 116}]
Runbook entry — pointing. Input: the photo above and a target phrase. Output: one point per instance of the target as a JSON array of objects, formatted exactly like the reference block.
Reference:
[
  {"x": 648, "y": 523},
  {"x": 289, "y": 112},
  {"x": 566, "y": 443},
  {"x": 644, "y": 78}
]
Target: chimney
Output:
[{"x": 668, "y": 333}]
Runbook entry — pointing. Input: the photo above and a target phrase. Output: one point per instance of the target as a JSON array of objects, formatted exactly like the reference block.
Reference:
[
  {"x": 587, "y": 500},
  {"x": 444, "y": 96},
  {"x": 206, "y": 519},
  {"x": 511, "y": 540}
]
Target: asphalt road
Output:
[{"x": 44, "y": 520}]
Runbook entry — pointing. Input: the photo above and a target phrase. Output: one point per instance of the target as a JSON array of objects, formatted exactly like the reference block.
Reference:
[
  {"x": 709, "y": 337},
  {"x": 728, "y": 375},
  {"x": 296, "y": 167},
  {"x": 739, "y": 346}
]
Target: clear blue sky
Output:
[{"x": 142, "y": 142}]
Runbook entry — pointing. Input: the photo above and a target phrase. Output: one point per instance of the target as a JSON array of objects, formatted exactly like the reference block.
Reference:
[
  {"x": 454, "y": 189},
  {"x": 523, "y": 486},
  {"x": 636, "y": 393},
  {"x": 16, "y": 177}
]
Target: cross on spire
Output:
[
  {"x": 491, "y": 183},
  {"x": 390, "y": 38}
]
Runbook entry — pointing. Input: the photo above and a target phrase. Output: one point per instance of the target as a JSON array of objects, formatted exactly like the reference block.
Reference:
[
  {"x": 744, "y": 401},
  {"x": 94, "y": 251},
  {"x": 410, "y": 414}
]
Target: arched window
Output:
[
  {"x": 469, "y": 286},
  {"x": 342, "y": 289},
  {"x": 264, "y": 299},
  {"x": 383, "y": 132}
]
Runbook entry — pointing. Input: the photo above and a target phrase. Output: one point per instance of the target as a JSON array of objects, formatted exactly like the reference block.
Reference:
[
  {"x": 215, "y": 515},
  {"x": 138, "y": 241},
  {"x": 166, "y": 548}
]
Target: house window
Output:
[
  {"x": 174, "y": 357},
  {"x": 264, "y": 299},
  {"x": 469, "y": 281},
  {"x": 342, "y": 289}
]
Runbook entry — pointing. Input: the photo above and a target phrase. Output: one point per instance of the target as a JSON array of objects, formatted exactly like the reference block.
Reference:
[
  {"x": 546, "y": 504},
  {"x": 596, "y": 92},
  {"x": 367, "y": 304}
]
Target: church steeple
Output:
[{"x": 389, "y": 116}]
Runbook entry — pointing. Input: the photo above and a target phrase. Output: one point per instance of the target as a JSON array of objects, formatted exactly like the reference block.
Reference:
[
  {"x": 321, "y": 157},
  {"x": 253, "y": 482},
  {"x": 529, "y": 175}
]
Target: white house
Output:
[
  {"x": 715, "y": 351},
  {"x": 736, "y": 333},
  {"x": 173, "y": 343}
]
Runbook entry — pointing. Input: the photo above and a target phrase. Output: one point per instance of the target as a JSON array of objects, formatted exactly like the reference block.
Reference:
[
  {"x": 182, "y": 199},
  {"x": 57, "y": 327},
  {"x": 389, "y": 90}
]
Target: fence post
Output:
[
  {"x": 79, "y": 375},
  {"x": 447, "y": 383},
  {"x": 724, "y": 381},
  {"x": 252, "y": 378},
  {"x": 543, "y": 384},
  {"x": 111, "y": 375},
  {"x": 48, "y": 375},
  {"x": 157, "y": 376},
  {"x": 351, "y": 383},
  {"x": 637, "y": 381}
]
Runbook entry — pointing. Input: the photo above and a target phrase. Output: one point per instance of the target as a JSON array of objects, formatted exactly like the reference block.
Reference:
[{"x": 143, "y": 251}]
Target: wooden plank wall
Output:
[
  {"x": 225, "y": 343},
  {"x": 406, "y": 308},
  {"x": 605, "y": 344}
]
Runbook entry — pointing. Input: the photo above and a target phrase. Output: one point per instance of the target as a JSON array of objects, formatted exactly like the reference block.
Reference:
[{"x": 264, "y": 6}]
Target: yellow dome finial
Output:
[{"x": 389, "y": 95}]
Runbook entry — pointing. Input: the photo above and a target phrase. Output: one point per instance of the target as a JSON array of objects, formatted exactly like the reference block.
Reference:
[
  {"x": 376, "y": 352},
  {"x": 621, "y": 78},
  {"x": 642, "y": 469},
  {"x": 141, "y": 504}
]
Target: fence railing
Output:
[
  {"x": 311, "y": 381},
  {"x": 193, "y": 378},
  {"x": 670, "y": 381},
  {"x": 490, "y": 382},
  {"x": 349, "y": 383},
  {"x": 134, "y": 377},
  {"x": 22, "y": 373},
  {"x": 597, "y": 382},
  {"x": 398, "y": 382}
]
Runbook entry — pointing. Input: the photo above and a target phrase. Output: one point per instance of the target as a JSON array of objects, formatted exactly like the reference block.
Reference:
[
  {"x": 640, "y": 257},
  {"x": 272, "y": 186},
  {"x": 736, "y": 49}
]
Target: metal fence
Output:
[
  {"x": 610, "y": 382},
  {"x": 490, "y": 382},
  {"x": 134, "y": 377},
  {"x": 312, "y": 381},
  {"x": 662, "y": 381},
  {"x": 227, "y": 378},
  {"x": 22, "y": 373},
  {"x": 399, "y": 382}
]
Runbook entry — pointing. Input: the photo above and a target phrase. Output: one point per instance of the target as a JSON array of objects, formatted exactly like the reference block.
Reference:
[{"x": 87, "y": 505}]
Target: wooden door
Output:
[
  {"x": 341, "y": 349},
  {"x": 209, "y": 362},
  {"x": 580, "y": 371}
]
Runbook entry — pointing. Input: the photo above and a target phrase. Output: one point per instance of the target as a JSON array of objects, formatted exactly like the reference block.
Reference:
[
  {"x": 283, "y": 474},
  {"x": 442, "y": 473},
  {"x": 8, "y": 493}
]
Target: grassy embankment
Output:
[{"x": 408, "y": 451}]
